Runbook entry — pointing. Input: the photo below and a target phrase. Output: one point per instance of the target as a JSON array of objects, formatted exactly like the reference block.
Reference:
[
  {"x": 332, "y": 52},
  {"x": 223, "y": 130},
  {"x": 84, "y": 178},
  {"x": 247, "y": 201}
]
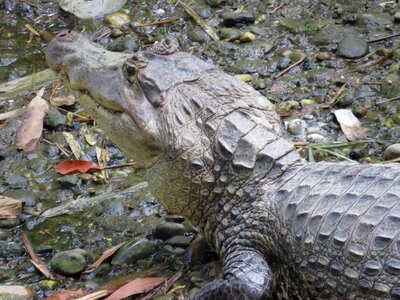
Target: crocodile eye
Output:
[{"x": 133, "y": 65}]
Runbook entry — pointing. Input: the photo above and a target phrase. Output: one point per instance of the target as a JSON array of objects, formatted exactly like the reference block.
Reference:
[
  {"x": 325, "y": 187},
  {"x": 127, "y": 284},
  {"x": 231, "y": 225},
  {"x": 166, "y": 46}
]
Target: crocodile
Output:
[{"x": 216, "y": 153}]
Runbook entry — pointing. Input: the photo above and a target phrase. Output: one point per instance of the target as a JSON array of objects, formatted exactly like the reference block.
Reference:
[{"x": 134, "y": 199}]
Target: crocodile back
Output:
[{"x": 342, "y": 228}]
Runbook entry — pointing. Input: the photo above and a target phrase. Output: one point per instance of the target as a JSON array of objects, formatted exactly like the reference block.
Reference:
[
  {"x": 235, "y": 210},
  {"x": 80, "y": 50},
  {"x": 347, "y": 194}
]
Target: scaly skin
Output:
[{"x": 282, "y": 228}]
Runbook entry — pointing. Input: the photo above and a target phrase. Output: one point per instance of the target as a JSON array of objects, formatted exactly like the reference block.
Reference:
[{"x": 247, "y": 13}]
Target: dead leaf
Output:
[
  {"x": 76, "y": 166},
  {"x": 108, "y": 253},
  {"x": 74, "y": 145},
  {"x": 9, "y": 207},
  {"x": 66, "y": 295},
  {"x": 137, "y": 286},
  {"x": 62, "y": 101},
  {"x": 35, "y": 260},
  {"x": 30, "y": 131},
  {"x": 162, "y": 289},
  {"x": 351, "y": 126}
]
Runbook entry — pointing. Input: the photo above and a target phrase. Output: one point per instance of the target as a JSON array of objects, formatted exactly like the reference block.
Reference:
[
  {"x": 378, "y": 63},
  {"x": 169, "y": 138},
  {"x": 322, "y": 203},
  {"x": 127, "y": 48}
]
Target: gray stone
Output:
[
  {"x": 70, "y": 262},
  {"x": 24, "y": 195},
  {"x": 352, "y": 47},
  {"x": 54, "y": 118},
  {"x": 233, "y": 18},
  {"x": 167, "y": 230},
  {"x": 373, "y": 20},
  {"x": 392, "y": 152},
  {"x": 133, "y": 251}
]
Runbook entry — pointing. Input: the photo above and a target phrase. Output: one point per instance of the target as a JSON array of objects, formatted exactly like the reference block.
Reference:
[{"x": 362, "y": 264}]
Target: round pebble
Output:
[
  {"x": 352, "y": 47},
  {"x": 297, "y": 126}
]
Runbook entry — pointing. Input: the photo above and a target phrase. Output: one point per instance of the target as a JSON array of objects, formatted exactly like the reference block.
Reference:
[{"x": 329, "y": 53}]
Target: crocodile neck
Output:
[{"x": 221, "y": 146}]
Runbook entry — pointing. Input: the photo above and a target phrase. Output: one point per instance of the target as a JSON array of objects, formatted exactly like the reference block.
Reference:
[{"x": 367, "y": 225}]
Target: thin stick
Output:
[
  {"x": 384, "y": 38},
  {"x": 299, "y": 62},
  {"x": 277, "y": 8},
  {"x": 387, "y": 100},
  {"x": 162, "y": 22}
]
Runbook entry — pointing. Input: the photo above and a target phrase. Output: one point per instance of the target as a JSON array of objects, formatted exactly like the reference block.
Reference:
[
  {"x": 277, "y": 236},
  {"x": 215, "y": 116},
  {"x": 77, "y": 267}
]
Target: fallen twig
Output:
[
  {"x": 388, "y": 100},
  {"x": 162, "y": 22},
  {"x": 35, "y": 260},
  {"x": 280, "y": 74},
  {"x": 386, "y": 37},
  {"x": 12, "y": 114}
]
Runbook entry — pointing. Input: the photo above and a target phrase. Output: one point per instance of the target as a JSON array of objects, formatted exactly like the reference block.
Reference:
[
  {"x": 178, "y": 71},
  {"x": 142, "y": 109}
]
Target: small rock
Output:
[
  {"x": 287, "y": 106},
  {"x": 202, "y": 10},
  {"x": 229, "y": 34},
  {"x": 117, "y": 19},
  {"x": 16, "y": 181},
  {"x": 397, "y": 17},
  {"x": 15, "y": 292},
  {"x": 352, "y": 47},
  {"x": 247, "y": 37},
  {"x": 392, "y": 152},
  {"x": 133, "y": 251},
  {"x": 360, "y": 111},
  {"x": 48, "y": 285},
  {"x": 167, "y": 230},
  {"x": 115, "y": 33},
  {"x": 179, "y": 241},
  {"x": 233, "y": 18},
  {"x": 70, "y": 262},
  {"x": 198, "y": 35},
  {"x": 307, "y": 102},
  {"x": 243, "y": 77},
  {"x": 315, "y": 138},
  {"x": 214, "y": 3},
  {"x": 323, "y": 55},
  {"x": 54, "y": 118},
  {"x": 297, "y": 126}
]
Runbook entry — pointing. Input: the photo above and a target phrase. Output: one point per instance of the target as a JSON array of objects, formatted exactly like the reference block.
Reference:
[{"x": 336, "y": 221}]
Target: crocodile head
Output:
[{"x": 175, "y": 113}]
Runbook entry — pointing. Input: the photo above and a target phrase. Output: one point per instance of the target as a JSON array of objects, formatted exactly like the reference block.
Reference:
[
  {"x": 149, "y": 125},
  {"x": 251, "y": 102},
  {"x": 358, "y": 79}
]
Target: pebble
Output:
[
  {"x": 167, "y": 230},
  {"x": 117, "y": 19},
  {"x": 287, "y": 106},
  {"x": 229, "y": 34},
  {"x": 231, "y": 19},
  {"x": 247, "y": 37},
  {"x": 70, "y": 262},
  {"x": 315, "y": 138},
  {"x": 352, "y": 47},
  {"x": 323, "y": 55},
  {"x": 179, "y": 241},
  {"x": 15, "y": 292},
  {"x": 307, "y": 102},
  {"x": 243, "y": 77},
  {"x": 397, "y": 17},
  {"x": 297, "y": 126},
  {"x": 55, "y": 118},
  {"x": 392, "y": 152},
  {"x": 373, "y": 20},
  {"x": 133, "y": 251},
  {"x": 48, "y": 285}
]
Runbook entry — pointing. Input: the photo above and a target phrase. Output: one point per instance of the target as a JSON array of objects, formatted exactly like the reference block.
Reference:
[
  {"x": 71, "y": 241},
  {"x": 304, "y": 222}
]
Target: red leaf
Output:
[
  {"x": 65, "y": 295},
  {"x": 76, "y": 166},
  {"x": 137, "y": 286}
]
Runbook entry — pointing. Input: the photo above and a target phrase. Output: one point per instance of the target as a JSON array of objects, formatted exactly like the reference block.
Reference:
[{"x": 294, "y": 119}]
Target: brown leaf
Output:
[
  {"x": 76, "y": 166},
  {"x": 66, "y": 295},
  {"x": 9, "y": 207},
  {"x": 62, "y": 101},
  {"x": 351, "y": 126},
  {"x": 35, "y": 260},
  {"x": 30, "y": 131},
  {"x": 102, "y": 258},
  {"x": 137, "y": 286}
]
